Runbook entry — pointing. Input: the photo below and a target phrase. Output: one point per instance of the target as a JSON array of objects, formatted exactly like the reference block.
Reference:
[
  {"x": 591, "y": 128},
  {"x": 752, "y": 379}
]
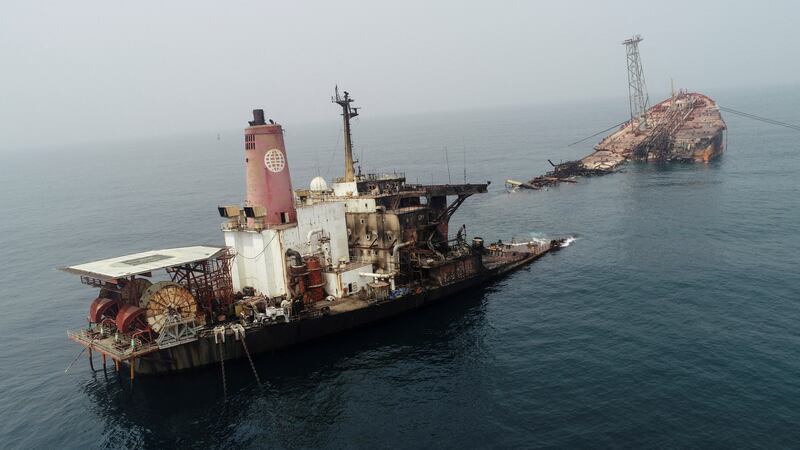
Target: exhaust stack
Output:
[{"x": 269, "y": 184}]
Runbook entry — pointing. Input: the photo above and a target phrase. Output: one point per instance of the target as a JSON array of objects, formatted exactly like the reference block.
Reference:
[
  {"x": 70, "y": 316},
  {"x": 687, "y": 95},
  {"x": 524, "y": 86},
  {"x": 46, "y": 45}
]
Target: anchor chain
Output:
[
  {"x": 238, "y": 332},
  {"x": 219, "y": 339}
]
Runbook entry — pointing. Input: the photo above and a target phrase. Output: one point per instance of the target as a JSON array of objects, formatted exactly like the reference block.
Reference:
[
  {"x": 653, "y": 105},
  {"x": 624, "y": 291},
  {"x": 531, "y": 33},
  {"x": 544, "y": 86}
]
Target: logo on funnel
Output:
[{"x": 274, "y": 160}]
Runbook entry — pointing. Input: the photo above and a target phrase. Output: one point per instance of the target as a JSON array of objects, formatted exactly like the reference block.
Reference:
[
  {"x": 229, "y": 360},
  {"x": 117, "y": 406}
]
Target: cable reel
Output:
[{"x": 167, "y": 302}]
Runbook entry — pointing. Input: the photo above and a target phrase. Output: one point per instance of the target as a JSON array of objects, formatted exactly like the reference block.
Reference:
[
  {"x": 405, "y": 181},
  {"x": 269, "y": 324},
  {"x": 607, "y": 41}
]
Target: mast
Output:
[
  {"x": 637, "y": 89},
  {"x": 347, "y": 112}
]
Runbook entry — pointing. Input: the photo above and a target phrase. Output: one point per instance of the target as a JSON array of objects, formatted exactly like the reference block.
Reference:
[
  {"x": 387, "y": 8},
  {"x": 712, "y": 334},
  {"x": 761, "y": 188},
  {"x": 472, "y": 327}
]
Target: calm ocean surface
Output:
[{"x": 672, "y": 321}]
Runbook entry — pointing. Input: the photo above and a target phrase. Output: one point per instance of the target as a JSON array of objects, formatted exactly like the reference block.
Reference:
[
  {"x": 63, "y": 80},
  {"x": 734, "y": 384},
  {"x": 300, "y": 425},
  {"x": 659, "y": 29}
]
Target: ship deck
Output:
[
  {"x": 208, "y": 344},
  {"x": 118, "y": 350},
  {"x": 345, "y": 304},
  {"x": 501, "y": 255}
]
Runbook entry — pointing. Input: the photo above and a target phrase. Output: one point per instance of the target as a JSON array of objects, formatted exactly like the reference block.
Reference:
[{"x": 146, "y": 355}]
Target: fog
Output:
[{"x": 87, "y": 71}]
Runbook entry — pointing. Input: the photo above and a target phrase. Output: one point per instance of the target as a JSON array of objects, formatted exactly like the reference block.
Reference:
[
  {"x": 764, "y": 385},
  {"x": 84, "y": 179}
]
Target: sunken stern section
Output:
[{"x": 296, "y": 265}]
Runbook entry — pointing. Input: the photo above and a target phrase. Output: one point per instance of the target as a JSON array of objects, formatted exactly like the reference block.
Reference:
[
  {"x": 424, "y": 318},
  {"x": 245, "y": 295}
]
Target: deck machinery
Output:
[{"x": 296, "y": 265}]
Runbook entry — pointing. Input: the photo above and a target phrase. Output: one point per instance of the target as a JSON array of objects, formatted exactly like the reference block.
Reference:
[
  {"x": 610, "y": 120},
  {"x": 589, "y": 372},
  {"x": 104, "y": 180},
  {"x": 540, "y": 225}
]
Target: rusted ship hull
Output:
[
  {"x": 685, "y": 127},
  {"x": 207, "y": 351},
  {"x": 707, "y": 148}
]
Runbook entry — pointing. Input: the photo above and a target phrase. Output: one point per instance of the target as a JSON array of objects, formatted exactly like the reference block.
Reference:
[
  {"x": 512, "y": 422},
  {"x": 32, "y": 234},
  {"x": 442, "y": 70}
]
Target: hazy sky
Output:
[{"x": 79, "y": 71}]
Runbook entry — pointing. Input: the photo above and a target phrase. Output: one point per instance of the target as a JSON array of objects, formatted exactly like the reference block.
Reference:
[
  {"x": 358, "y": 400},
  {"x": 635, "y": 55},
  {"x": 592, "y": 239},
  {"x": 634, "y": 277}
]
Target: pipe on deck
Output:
[
  {"x": 308, "y": 238},
  {"x": 298, "y": 258},
  {"x": 396, "y": 256}
]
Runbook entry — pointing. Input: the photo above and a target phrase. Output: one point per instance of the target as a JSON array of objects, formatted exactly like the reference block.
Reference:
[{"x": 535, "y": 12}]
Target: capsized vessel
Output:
[{"x": 296, "y": 265}]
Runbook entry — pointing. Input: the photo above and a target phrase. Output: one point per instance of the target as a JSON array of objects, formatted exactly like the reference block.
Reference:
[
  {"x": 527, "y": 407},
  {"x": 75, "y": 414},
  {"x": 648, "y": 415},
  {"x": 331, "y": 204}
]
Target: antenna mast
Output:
[
  {"x": 447, "y": 161},
  {"x": 637, "y": 89},
  {"x": 464, "y": 154},
  {"x": 347, "y": 113}
]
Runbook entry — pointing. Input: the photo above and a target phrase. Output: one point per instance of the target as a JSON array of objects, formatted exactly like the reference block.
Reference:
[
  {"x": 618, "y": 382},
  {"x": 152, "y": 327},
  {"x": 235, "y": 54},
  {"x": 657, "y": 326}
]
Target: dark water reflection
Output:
[{"x": 306, "y": 390}]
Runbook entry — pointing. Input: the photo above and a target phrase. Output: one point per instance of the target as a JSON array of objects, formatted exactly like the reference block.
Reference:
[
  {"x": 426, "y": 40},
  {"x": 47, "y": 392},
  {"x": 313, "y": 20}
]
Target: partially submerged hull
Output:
[{"x": 686, "y": 127}]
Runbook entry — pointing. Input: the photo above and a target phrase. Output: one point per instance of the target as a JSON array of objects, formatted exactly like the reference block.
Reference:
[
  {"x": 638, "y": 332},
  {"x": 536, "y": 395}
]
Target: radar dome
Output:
[{"x": 319, "y": 184}]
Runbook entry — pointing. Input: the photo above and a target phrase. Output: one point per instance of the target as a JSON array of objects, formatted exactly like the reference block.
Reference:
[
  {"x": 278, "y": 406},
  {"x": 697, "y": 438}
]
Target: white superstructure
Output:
[{"x": 261, "y": 253}]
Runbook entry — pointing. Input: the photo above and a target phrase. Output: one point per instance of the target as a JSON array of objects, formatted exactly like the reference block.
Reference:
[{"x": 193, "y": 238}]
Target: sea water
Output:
[{"x": 671, "y": 320}]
